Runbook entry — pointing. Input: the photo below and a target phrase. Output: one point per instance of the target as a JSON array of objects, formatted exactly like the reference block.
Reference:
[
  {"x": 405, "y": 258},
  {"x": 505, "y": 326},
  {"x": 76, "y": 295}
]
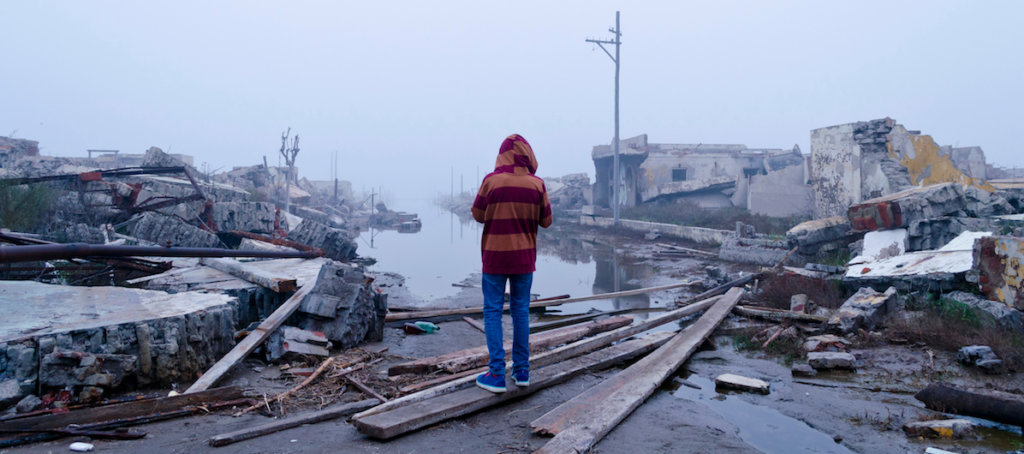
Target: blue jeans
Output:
[{"x": 494, "y": 302}]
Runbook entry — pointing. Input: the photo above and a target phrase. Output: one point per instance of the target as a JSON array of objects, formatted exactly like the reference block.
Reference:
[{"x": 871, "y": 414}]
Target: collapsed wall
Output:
[
  {"x": 859, "y": 161},
  {"x": 100, "y": 338}
]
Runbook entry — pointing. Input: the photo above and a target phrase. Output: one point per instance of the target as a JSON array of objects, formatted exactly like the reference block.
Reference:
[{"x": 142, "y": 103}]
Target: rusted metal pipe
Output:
[{"x": 33, "y": 253}]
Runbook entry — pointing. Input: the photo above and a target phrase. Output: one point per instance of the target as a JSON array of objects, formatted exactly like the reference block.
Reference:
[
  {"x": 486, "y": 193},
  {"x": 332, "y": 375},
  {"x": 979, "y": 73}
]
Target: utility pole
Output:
[{"x": 615, "y": 142}]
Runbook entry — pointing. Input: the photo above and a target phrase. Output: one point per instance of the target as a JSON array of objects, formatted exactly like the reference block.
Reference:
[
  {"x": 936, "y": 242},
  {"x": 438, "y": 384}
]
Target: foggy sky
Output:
[{"x": 406, "y": 91}]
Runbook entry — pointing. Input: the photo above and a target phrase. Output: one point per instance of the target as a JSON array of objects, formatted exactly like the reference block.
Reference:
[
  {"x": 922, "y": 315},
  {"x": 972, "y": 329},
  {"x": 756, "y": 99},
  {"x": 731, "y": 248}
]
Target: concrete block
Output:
[
  {"x": 741, "y": 383},
  {"x": 355, "y": 312},
  {"x": 831, "y": 360},
  {"x": 864, "y": 310},
  {"x": 803, "y": 370},
  {"x": 819, "y": 234},
  {"x": 980, "y": 356}
]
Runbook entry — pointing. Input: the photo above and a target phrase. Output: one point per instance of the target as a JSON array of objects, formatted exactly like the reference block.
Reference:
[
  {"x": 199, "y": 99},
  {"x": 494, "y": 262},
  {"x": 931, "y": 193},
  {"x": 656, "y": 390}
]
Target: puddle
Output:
[
  {"x": 761, "y": 427},
  {"x": 446, "y": 251}
]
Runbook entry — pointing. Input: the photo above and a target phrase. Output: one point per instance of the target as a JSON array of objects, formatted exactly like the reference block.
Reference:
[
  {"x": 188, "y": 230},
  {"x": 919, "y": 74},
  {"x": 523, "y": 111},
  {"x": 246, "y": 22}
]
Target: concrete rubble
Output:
[{"x": 866, "y": 309}]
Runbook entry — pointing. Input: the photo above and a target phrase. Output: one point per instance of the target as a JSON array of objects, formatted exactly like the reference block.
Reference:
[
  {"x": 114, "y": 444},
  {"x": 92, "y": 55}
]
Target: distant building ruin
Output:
[
  {"x": 854, "y": 162},
  {"x": 765, "y": 181}
]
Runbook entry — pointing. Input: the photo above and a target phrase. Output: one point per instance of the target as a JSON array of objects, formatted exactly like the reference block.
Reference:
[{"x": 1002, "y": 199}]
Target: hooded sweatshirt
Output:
[{"x": 511, "y": 203}]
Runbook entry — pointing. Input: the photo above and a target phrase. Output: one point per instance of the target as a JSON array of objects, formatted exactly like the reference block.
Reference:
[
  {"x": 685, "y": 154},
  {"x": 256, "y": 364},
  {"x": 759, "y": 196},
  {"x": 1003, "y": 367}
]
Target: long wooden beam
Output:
[
  {"x": 411, "y": 417},
  {"x": 421, "y": 315},
  {"x": 251, "y": 274},
  {"x": 553, "y": 356},
  {"x": 581, "y": 422},
  {"x": 253, "y": 340},
  {"x": 326, "y": 414},
  {"x": 478, "y": 356}
]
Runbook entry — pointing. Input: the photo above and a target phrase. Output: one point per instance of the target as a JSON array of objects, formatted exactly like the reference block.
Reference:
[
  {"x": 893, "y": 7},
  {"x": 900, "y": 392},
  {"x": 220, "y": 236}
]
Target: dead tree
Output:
[{"x": 289, "y": 154}]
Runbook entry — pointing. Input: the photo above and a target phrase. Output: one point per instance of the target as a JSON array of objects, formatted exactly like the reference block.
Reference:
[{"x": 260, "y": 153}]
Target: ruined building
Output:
[
  {"x": 854, "y": 162},
  {"x": 765, "y": 181}
]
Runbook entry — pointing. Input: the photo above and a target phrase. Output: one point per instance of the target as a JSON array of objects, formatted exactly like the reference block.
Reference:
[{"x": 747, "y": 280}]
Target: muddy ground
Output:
[{"x": 858, "y": 411}]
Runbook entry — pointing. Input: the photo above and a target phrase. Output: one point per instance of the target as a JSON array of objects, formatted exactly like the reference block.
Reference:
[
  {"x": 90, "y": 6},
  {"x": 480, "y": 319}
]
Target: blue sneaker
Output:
[
  {"x": 491, "y": 382},
  {"x": 522, "y": 377}
]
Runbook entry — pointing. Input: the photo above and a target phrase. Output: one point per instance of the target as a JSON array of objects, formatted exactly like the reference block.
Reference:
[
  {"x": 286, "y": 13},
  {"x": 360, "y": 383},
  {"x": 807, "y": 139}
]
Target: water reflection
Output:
[{"x": 446, "y": 251}]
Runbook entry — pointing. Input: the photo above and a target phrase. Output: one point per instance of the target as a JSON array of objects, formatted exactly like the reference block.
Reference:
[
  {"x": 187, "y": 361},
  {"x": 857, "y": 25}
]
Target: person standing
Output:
[{"x": 511, "y": 203}]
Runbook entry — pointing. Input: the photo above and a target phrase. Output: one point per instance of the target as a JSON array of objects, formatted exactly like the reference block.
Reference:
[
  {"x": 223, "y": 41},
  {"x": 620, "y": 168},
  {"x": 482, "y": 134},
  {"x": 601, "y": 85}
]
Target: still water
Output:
[{"x": 446, "y": 251}]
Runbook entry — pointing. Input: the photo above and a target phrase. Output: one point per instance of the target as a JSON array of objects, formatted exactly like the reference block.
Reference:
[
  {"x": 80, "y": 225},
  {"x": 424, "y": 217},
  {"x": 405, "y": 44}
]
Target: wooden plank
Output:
[
  {"x": 721, "y": 289},
  {"x": 581, "y": 422},
  {"x": 686, "y": 249},
  {"x": 777, "y": 315},
  {"x": 326, "y": 414},
  {"x": 253, "y": 340},
  {"x": 366, "y": 389},
  {"x": 420, "y": 315},
  {"x": 420, "y": 414},
  {"x": 475, "y": 323},
  {"x": 122, "y": 410},
  {"x": 553, "y": 356},
  {"x": 478, "y": 356},
  {"x": 538, "y": 327},
  {"x": 251, "y": 274}
]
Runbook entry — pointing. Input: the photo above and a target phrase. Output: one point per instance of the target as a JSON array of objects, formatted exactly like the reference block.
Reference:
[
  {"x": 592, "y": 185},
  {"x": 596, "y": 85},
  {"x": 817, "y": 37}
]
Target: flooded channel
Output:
[
  {"x": 446, "y": 251},
  {"x": 762, "y": 427}
]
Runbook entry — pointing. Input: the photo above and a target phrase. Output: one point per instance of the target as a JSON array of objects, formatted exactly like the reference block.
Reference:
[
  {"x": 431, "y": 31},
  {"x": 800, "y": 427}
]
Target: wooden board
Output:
[
  {"x": 253, "y": 340},
  {"x": 326, "y": 414},
  {"x": 538, "y": 327},
  {"x": 478, "y": 356},
  {"x": 581, "y": 422},
  {"x": 421, "y": 315},
  {"x": 553, "y": 356},
  {"x": 279, "y": 284},
  {"x": 777, "y": 315},
  {"x": 122, "y": 410},
  {"x": 420, "y": 414}
]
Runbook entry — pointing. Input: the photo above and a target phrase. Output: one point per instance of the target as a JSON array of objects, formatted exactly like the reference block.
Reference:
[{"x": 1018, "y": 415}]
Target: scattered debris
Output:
[{"x": 866, "y": 309}]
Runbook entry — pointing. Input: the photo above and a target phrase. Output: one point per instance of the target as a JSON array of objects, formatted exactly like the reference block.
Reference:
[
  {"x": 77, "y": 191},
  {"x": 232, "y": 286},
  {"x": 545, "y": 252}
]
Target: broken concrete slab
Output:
[
  {"x": 758, "y": 251},
  {"x": 864, "y": 310},
  {"x": 291, "y": 340},
  {"x": 741, "y": 383},
  {"x": 831, "y": 360},
  {"x": 940, "y": 428},
  {"x": 900, "y": 209},
  {"x": 344, "y": 307},
  {"x": 255, "y": 217},
  {"x": 942, "y": 269},
  {"x": 1000, "y": 268},
  {"x": 172, "y": 336},
  {"x": 1002, "y": 314},
  {"x": 820, "y": 235},
  {"x": 803, "y": 370},
  {"x": 163, "y": 230},
  {"x": 881, "y": 244},
  {"x": 336, "y": 243}
]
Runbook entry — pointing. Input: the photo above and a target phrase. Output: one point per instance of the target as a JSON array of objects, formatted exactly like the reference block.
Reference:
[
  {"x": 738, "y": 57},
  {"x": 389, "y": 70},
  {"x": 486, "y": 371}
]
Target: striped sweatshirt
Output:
[{"x": 511, "y": 203}]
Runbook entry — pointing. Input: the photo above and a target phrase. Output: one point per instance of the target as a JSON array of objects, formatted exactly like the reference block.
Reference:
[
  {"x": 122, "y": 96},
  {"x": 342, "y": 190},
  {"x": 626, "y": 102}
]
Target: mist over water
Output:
[{"x": 447, "y": 251}]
